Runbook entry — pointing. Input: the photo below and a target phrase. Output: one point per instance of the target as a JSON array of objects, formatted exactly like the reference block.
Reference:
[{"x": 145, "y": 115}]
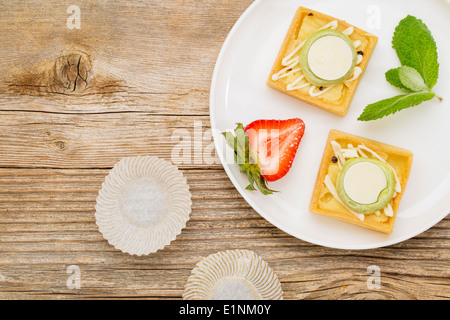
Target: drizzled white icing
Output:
[
  {"x": 329, "y": 184},
  {"x": 356, "y": 43},
  {"x": 291, "y": 64}
]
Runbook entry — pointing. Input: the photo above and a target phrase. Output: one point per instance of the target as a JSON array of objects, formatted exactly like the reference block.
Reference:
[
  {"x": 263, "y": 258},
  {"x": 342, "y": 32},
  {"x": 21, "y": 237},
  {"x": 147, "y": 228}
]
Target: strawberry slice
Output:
[{"x": 265, "y": 149}]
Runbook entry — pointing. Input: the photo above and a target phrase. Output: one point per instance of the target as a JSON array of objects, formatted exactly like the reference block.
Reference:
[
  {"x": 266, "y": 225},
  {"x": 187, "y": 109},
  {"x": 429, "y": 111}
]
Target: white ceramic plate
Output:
[{"x": 239, "y": 94}]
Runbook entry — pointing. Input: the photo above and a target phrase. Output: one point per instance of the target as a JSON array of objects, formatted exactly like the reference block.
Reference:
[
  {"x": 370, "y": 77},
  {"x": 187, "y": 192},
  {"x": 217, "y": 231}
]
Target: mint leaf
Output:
[
  {"x": 406, "y": 78},
  {"x": 416, "y": 48},
  {"x": 393, "y": 78},
  {"x": 412, "y": 79},
  {"x": 385, "y": 107}
]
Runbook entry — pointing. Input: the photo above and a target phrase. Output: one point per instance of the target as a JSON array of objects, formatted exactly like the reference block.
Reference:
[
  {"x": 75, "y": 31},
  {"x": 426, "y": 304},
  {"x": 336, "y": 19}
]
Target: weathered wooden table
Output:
[{"x": 134, "y": 80}]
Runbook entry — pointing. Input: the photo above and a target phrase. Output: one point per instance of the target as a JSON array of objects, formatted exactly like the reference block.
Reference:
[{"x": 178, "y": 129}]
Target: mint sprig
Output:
[{"x": 417, "y": 52}]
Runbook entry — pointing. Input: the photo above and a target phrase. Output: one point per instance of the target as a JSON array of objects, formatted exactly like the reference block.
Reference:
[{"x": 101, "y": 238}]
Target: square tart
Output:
[
  {"x": 322, "y": 202},
  {"x": 338, "y": 99}
]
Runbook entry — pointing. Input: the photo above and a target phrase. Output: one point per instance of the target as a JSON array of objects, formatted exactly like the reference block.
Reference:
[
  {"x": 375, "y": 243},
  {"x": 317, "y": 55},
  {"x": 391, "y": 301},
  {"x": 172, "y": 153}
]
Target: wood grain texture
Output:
[{"x": 146, "y": 69}]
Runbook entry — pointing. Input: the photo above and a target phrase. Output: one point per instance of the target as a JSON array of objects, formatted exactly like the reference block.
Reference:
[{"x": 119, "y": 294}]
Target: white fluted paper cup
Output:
[
  {"x": 143, "y": 205},
  {"x": 233, "y": 275}
]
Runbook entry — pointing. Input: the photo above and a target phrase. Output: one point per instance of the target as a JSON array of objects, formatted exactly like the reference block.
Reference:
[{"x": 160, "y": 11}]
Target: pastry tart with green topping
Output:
[
  {"x": 361, "y": 181},
  {"x": 322, "y": 60}
]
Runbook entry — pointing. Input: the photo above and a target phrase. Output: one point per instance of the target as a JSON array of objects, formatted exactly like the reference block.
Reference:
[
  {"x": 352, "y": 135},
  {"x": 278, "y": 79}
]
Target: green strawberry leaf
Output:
[
  {"x": 251, "y": 180},
  {"x": 385, "y": 107},
  {"x": 243, "y": 157},
  {"x": 261, "y": 183},
  {"x": 242, "y": 144},
  {"x": 230, "y": 139},
  {"x": 411, "y": 79},
  {"x": 417, "y": 49}
]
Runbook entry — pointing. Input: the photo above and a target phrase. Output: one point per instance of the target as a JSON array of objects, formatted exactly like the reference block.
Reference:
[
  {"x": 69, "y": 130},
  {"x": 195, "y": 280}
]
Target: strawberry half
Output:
[
  {"x": 265, "y": 149},
  {"x": 275, "y": 143}
]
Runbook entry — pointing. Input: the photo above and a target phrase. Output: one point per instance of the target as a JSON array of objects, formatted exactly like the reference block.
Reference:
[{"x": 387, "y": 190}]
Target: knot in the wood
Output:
[
  {"x": 73, "y": 72},
  {"x": 60, "y": 145}
]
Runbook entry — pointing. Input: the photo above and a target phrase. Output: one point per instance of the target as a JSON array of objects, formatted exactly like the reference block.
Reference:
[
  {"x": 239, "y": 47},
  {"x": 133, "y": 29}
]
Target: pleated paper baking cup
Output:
[
  {"x": 143, "y": 205},
  {"x": 233, "y": 275}
]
